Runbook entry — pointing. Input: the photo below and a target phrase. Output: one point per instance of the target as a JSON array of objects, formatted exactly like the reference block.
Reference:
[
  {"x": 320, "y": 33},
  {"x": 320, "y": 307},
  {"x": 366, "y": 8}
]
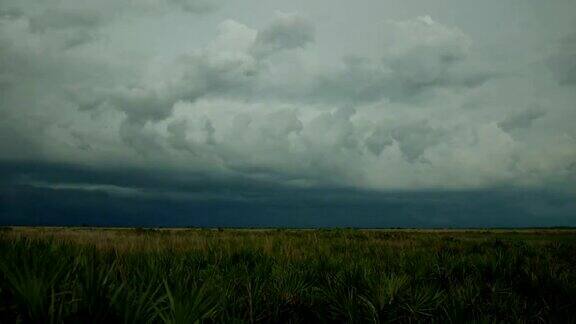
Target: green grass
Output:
[{"x": 286, "y": 276}]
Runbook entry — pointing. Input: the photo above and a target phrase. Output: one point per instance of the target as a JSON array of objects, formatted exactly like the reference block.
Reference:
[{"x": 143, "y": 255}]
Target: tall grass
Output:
[{"x": 288, "y": 276}]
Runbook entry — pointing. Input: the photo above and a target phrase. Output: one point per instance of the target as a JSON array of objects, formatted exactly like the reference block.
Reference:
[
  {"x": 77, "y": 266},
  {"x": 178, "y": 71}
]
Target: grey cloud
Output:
[
  {"x": 523, "y": 119},
  {"x": 177, "y": 135},
  {"x": 204, "y": 74},
  {"x": 286, "y": 146},
  {"x": 11, "y": 13},
  {"x": 196, "y": 6},
  {"x": 213, "y": 72},
  {"x": 261, "y": 104},
  {"x": 359, "y": 80},
  {"x": 87, "y": 15},
  {"x": 143, "y": 140},
  {"x": 282, "y": 146},
  {"x": 79, "y": 38},
  {"x": 563, "y": 62},
  {"x": 362, "y": 80},
  {"x": 203, "y": 134},
  {"x": 141, "y": 105},
  {"x": 404, "y": 72},
  {"x": 415, "y": 138},
  {"x": 422, "y": 50},
  {"x": 209, "y": 132},
  {"x": 420, "y": 54},
  {"x": 224, "y": 73},
  {"x": 282, "y": 123},
  {"x": 287, "y": 31},
  {"x": 334, "y": 130},
  {"x": 378, "y": 141},
  {"x": 63, "y": 18}
]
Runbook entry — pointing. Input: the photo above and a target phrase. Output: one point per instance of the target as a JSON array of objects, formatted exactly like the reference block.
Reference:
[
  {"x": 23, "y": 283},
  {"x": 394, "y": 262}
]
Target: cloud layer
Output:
[{"x": 430, "y": 107}]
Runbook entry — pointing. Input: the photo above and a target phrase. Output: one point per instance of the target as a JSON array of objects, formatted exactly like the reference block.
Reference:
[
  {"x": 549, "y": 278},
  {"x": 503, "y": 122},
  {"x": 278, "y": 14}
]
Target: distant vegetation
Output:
[{"x": 281, "y": 276}]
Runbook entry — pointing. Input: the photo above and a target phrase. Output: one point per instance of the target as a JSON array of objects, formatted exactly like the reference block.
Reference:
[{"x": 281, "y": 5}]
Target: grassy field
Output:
[{"x": 53, "y": 275}]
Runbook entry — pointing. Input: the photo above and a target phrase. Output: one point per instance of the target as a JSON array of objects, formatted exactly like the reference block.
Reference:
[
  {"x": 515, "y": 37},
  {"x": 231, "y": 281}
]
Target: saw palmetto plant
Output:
[{"x": 289, "y": 276}]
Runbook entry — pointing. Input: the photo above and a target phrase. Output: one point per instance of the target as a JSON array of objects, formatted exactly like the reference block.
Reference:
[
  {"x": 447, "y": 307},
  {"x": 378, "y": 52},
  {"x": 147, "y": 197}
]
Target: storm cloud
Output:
[{"x": 210, "y": 107}]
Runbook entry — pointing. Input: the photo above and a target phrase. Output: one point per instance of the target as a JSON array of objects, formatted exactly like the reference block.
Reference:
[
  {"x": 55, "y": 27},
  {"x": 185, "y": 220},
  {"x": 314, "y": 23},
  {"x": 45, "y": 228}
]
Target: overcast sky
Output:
[{"x": 293, "y": 113}]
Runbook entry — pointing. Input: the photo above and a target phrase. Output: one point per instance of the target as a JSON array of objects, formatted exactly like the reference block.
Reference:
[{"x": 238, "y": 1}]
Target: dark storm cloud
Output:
[
  {"x": 144, "y": 179},
  {"x": 27, "y": 198}
]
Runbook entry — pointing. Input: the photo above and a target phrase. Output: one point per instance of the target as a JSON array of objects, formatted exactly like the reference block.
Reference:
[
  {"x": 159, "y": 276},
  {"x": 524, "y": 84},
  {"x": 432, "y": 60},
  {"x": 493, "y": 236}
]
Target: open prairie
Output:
[{"x": 80, "y": 275}]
